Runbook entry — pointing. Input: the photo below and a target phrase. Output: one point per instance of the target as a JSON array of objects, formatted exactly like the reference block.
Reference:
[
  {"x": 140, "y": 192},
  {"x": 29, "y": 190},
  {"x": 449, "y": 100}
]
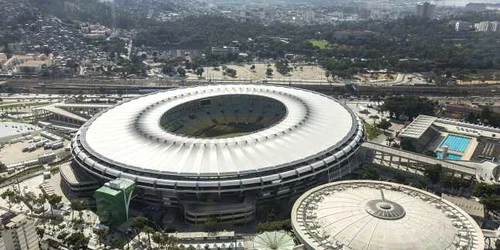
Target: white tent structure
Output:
[{"x": 276, "y": 240}]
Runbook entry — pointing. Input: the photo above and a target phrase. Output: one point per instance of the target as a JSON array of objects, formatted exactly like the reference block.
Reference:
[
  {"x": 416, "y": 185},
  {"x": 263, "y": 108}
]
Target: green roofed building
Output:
[{"x": 113, "y": 201}]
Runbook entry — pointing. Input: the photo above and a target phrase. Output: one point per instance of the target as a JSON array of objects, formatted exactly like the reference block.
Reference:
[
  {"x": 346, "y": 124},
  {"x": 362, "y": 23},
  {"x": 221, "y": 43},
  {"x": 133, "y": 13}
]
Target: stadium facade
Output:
[
  {"x": 369, "y": 215},
  {"x": 218, "y": 150}
]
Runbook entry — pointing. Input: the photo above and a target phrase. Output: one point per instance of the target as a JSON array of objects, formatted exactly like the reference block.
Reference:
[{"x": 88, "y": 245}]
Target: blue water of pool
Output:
[
  {"x": 456, "y": 143},
  {"x": 439, "y": 155}
]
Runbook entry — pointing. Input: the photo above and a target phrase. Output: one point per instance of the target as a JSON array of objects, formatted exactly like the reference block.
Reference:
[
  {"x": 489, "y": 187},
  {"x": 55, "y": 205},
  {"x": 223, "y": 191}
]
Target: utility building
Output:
[{"x": 113, "y": 200}]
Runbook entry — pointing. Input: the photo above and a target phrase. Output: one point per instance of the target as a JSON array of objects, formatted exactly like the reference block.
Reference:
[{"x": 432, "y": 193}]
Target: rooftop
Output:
[
  {"x": 418, "y": 127},
  {"x": 130, "y": 134},
  {"x": 33, "y": 63},
  {"x": 76, "y": 175},
  {"x": 381, "y": 215},
  {"x": 108, "y": 191}
]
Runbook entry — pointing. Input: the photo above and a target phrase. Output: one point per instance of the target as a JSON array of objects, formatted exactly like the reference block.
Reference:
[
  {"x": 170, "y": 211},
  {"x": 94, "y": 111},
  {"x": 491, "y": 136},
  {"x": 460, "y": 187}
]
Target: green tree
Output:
[
  {"x": 53, "y": 201},
  {"x": 118, "y": 243},
  {"x": 211, "y": 224},
  {"x": 181, "y": 71},
  {"x": 40, "y": 232},
  {"x": 270, "y": 226},
  {"x": 158, "y": 238},
  {"x": 141, "y": 224},
  {"x": 434, "y": 173},
  {"x": 409, "y": 106},
  {"x": 11, "y": 197},
  {"x": 200, "y": 71},
  {"x": 102, "y": 234},
  {"x": 269, "y": 72},
  {"x": 79, "y": 205},
  {"x": 370, "y": 173},
  {"x": 77, "y": 240},
  {"x": 384, "y": 124},
  {"x": 484, "y": 189}
]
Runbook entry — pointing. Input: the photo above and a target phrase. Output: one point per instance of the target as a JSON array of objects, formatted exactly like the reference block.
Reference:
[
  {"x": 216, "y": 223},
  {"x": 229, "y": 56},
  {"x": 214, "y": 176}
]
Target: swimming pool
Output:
[
  {"x": 456, "y": 143},
  {"x": 449, "y": 156}
]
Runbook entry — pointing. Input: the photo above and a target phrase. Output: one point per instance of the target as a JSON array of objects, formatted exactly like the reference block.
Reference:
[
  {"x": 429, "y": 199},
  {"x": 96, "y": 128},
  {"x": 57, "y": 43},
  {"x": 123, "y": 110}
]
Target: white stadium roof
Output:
[
  {"x": 352, "y": 215},
  {"x": 130, "y": 134}
]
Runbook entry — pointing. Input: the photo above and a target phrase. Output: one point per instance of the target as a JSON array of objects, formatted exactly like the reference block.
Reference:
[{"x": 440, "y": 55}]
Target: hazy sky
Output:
[{"x": 464, "y": 2}]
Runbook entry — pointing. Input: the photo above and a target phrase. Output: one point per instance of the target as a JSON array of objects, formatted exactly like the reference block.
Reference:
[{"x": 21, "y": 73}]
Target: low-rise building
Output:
[
  {"x": 225, "y": 50},
  {"x": 17, "y": 232},
  {"x": 32, "y": 67}
]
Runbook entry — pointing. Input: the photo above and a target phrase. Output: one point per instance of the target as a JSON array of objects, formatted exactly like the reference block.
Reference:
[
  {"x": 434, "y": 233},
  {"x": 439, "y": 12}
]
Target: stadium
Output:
[
  {"x": 218, "y": 150},
  {"x": 369, "y": 215}
]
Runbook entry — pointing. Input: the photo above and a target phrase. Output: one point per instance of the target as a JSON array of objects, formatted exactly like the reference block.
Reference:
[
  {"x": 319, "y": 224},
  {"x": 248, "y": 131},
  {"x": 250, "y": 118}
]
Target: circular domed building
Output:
[
  {"x": 218, "y": 150},
  {"x": 355, "y": 215}
]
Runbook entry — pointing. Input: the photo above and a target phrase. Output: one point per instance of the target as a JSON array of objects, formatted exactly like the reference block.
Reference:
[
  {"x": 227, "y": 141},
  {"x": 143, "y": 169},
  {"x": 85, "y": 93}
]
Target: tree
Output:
[
  {"x": 11, "y": 197},
  {"x": 269, "y": 72},
  {"x": 149, "y": 231},
  {"x": 199, "y": 72},
  {"x": 409, "y": 106},
  {"x": 484, "y": 189},
  {"x": 433, "y": 173},
  {"x": 370, "y": 173},
  {"x": 77, "y": 240},
  {"x": 181, "y": 71},
  {"x": 270, "y": 226},
  {"x": 79, "y": 205},
  {"x": 40, "y": 232},
  {"x": 327, "y": 74},
  {"x": 168, "y": 69},
  {"x": 497, "y": 244},
  {"x": 211, "y": 223},
  {"x": 40, "y": 200},
  {"x": 375, "y": 118},
  {"x": 102, "y": 234},
  {"x": 252, "y": 68},
  {"x": 230, "y": 72},
  {"x": 158, "y": 238},
  {"x": 3, "y": 167},
  {"x": 53, "y": 200},
  {"x": 118, "y": 243},
  {"x": 384, "y": 124},
  {"x": 140, "y": 224}
]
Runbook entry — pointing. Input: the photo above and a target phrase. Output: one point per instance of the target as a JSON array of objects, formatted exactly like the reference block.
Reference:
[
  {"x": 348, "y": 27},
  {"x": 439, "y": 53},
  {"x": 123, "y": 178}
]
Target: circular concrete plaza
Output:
[
  {"x": 220, "y": 138},
  {"x": 355, "y": 215}
]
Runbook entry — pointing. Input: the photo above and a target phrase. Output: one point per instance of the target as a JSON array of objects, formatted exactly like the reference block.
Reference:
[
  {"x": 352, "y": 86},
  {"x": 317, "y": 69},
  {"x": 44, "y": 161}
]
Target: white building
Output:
[
  {"x": 461, "y": 25},
  {"x": 373, "y": 215},
  {"x": 309, "y": 16},
  {"x": 486, "y": 26},
  {"x": 18, "y": 233},
  {"x": 290, "y": 139}
]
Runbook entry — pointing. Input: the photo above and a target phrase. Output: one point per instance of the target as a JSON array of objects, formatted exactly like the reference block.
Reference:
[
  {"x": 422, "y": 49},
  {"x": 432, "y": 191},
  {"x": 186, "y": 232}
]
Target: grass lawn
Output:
[
  {"x": 230, "y": 130},
  {"x": 372, "y": 131},
  {"x": 320, "y": 44}
]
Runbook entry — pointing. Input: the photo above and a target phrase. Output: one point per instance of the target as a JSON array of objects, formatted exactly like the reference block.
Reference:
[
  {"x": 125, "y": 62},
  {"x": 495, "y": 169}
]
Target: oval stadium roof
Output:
[
  {"x": 355, "y": 215},
  {"x": 130, "y": 134}
]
